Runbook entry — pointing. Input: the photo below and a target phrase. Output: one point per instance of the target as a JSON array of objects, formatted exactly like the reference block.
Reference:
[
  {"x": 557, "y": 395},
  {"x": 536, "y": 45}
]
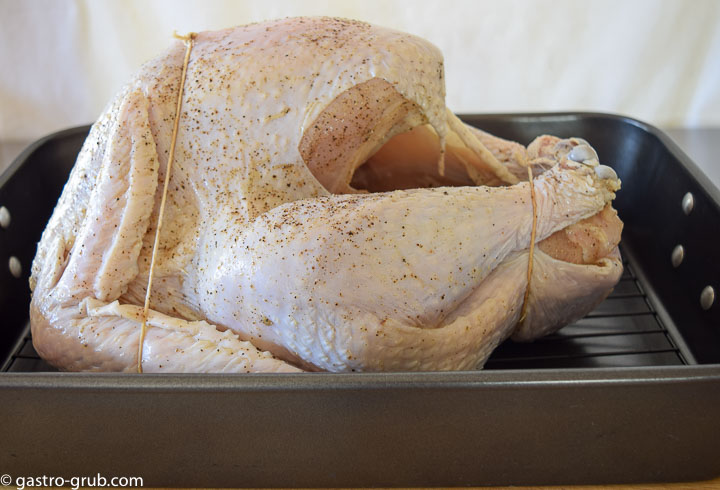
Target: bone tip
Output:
[{"x": 604, "y": 172}]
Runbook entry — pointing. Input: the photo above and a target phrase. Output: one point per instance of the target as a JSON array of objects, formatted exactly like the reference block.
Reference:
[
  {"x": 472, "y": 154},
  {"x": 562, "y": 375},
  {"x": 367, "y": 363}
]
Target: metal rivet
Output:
[
  {"x": 707, "y": 297},
  {"x": 4, "y": 217},
  {"x": 688, "y": 202},
  {"x": 15, "y": 267},
  {"x": 678, "y": 254}
]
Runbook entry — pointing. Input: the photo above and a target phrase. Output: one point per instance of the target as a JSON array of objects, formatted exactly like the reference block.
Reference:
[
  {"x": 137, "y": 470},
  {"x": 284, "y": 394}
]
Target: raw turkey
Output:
[{"x": 325, "y": 211}]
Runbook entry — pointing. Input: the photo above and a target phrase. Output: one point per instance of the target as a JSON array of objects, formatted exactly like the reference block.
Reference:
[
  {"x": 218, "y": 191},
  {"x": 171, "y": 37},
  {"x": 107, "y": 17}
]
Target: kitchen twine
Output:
[
  {"x": 523, "y": 311},
  {"x": 188, "y": 40}
]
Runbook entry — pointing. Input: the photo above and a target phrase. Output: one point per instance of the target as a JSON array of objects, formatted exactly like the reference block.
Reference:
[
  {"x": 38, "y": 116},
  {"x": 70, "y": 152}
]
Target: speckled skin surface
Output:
[{"x": 256, "y": 255}]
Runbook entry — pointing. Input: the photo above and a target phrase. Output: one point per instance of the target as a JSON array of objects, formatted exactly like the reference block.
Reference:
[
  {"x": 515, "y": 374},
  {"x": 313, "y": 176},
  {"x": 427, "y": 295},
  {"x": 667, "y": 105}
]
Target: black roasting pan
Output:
[{"x": 631, "y": 393}]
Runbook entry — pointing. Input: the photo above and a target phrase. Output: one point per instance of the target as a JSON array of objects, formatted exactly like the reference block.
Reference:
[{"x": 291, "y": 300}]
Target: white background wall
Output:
[{"x": 656, "y": 60}]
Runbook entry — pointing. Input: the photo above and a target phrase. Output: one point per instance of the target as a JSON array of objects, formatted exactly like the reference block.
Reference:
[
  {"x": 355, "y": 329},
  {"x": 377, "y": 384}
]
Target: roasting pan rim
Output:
[{"x": 481, "y": 379}]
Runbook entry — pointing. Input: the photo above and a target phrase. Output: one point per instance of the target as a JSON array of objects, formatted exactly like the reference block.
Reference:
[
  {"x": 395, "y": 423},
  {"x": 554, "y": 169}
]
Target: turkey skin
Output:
[{"x": 325, "y": 211}]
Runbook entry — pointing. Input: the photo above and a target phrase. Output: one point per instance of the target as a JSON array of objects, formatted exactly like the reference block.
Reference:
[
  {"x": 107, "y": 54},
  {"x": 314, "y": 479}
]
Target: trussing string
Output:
[
  {"x": 441, "y": 159},
  {"x": 523, "y": 311},
  {"x": 188, "y": 40}
]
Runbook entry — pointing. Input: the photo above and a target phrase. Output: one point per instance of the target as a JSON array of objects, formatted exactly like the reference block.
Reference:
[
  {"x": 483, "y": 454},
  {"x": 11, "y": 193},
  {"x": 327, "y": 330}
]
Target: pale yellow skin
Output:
[{"x": 270, "y": 259}]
